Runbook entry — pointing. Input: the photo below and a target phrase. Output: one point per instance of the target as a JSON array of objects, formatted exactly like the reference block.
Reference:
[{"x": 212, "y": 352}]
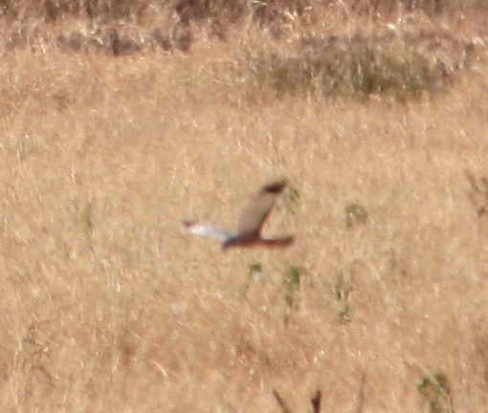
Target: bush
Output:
[
  {"x": 49, "y": 10},
  {"x": 360, "y": 65}
]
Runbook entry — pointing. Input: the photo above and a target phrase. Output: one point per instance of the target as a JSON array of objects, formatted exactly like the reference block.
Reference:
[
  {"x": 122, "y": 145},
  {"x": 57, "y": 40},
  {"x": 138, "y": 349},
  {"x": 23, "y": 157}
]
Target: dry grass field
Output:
[{"x": 107, "y": 305}]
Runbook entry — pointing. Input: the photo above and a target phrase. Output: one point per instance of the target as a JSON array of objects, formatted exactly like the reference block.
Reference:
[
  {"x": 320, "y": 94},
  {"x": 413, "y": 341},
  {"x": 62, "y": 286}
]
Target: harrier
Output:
[{"x": 250, "y": 223}]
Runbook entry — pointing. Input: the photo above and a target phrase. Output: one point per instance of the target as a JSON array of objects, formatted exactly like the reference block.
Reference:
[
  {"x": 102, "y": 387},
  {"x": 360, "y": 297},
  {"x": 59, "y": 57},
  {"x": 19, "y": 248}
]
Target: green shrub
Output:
[{"x": 436, "y": 390}]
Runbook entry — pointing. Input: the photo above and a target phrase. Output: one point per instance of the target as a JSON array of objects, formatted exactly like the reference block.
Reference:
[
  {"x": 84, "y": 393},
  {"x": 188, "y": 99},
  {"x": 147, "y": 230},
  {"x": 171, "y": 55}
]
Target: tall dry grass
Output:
[{"x": 107, "y": 305}]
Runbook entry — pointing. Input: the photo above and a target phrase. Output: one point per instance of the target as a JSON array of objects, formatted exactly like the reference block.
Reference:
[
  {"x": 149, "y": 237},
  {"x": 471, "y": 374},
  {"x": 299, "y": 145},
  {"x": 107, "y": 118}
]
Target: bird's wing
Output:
[
  {"x": 205, "y": 230},
  {"x": 277, "y": 242},
  {"x": 258, "y": 209}
]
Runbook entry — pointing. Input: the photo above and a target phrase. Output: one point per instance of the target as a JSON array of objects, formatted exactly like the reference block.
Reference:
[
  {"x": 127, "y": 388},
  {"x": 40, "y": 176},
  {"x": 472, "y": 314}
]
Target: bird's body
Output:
[{"x": 250, "y": 223}]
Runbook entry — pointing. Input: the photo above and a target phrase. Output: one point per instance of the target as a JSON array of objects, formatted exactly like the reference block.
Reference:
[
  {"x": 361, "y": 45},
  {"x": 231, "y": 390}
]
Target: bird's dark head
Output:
[
  {"x": 228, "y": 243},
  {"x": 235, "y": 241},
  {"x": 188, "y": 224},
  {"x": 275, "y": 187}
]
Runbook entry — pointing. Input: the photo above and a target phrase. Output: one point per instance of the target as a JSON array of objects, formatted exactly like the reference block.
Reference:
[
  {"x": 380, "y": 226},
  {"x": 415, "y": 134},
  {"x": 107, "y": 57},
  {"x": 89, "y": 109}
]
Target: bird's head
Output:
[{"x": 275, "y": 187}]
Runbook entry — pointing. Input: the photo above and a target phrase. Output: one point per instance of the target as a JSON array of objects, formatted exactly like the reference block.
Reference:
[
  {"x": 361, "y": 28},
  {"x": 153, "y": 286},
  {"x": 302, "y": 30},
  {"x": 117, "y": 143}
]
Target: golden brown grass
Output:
[{"x": 107, "y": 305}]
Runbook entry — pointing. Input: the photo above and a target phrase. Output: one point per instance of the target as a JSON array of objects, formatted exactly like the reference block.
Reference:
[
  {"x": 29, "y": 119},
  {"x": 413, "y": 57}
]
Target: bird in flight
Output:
[{"x": 250, "y": 223}]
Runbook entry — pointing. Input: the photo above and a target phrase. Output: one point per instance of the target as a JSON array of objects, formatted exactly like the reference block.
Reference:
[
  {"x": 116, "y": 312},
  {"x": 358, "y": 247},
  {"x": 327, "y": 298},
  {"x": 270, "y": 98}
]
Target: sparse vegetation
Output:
[
  {"x": 118, "y": 122},
  {"x": 478, "y": 194},
  {"x": 359, "y": 67},
  {"x": 292, "y": 198},
  {"x": 356, "y": 215},
  {"x": 342, "y": 292},
  {"x": 436, "y": 390},
  {"x": 291, "y": 287},
  {"x": 255, "y": 271}
]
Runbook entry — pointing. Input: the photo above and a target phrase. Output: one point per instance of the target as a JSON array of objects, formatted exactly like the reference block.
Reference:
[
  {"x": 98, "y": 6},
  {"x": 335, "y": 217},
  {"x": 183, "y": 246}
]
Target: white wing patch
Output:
[{"x": 204, "y": 230}]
